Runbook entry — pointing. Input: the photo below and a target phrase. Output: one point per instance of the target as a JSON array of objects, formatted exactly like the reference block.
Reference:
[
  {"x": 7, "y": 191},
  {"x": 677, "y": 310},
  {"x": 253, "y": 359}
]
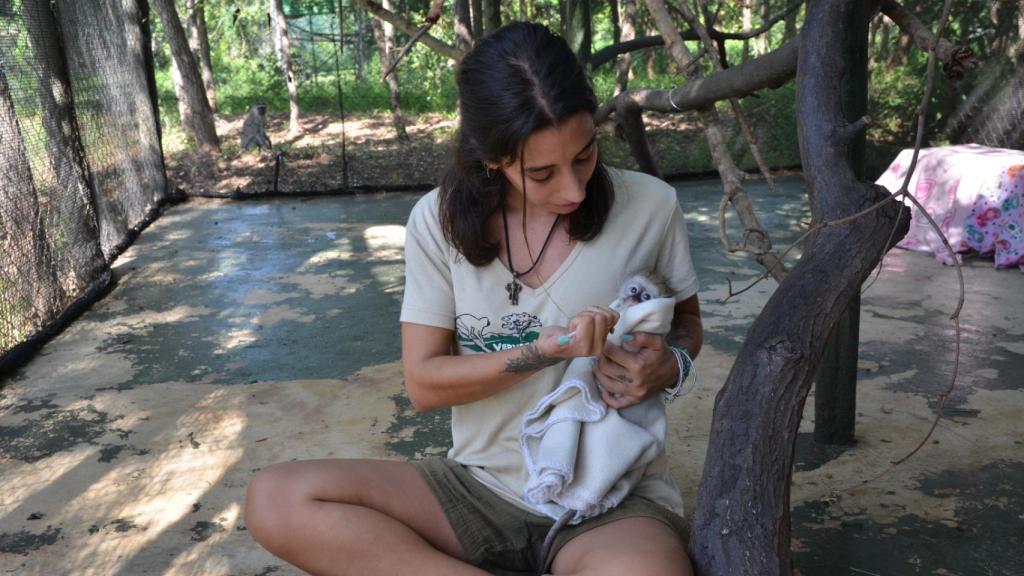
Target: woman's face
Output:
[{"x": 559, "y": 161}]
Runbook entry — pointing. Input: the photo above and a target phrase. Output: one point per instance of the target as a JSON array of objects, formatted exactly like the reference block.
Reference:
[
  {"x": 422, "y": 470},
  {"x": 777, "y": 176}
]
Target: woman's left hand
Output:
[{"x": 636, "y": 370}]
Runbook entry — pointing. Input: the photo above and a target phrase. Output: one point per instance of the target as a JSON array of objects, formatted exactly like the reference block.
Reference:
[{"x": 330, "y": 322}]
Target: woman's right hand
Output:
[{"x": 585, "y": 336}]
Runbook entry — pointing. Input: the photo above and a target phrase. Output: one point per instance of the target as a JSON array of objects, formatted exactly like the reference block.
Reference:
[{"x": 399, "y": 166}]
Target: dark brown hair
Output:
[{"x": 520, "y": 79}]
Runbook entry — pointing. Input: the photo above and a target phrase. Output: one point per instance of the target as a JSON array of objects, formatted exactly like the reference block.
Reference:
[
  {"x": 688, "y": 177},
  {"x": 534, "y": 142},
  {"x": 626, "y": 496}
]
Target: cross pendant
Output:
[{"x": 513, "y": 288}]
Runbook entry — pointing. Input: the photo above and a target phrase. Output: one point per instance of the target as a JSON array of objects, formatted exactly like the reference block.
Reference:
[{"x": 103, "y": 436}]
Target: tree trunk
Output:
[
  {"x": 577, "y": 29},
  {"x": 623, "y": 67},
  {"x": 1020, "y": 27},
  {"x": 384, "y": 33},
  {"x": 741, "y": 524},
  {"x": 835, "y": 391},
  {"x": 242, "y": 48},
  {"x": 613, "y": 11},
  {"x": 883, "y": 43},
  {"x": 898, "y": 56},
  {"x": 199, "y": 40},
  {"x": 73, "y": 199},
  {"x": 747, "y": 27},
  {"x": 876, "y": 22},
  {"x": 492, "y": 15},
  {"x": 282, "y": 45},
  {"x": 196, "y": 115},
  {"x": 478, "y": 17},
  {"x": 357, "y": 37},
  {"x": 766, "y": 39},
  {"x": 463, "y": 23},
  {"x": 790, "y": 30},
  {"x": 27, "y": 272}
]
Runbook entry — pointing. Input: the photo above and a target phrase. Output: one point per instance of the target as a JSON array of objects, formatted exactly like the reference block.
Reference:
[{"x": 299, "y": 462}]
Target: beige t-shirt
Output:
[{"x": 645, "y": 231}]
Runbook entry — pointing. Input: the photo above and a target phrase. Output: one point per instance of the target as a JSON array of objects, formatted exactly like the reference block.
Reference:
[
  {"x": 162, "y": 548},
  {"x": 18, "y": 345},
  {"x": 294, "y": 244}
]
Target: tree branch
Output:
[
  {"x": 741, "y": 118},
  {"x": 768, "y": 71},
  {"x": 408, "y": 28},
  {"x": 755, "y": 240},
  {"x": 610, "y": 52},
  {"x": 955, "y": 59},
  {"x": 432, "y": 17}
]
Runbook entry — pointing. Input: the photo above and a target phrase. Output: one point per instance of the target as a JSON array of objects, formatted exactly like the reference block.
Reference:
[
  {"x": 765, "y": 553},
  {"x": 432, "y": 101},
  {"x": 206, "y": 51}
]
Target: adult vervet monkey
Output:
[{"x": 253, "y": 133}]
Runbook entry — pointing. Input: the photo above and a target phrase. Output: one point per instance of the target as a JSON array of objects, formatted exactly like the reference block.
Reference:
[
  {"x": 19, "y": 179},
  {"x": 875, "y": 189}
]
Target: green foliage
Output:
[
  {"x": 245, "y": 82},
  {"x": 246, "y": 69}
]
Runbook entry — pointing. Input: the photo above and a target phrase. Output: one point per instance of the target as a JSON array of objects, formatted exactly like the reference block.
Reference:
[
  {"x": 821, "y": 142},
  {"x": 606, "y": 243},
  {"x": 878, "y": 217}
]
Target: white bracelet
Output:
[{"x": 685, "y": 364}]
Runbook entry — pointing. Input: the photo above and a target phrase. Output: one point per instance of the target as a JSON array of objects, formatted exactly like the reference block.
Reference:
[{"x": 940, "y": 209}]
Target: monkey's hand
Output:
[
  {"x": 639, "y": 369},
  {"x": 585, "y": 336}
]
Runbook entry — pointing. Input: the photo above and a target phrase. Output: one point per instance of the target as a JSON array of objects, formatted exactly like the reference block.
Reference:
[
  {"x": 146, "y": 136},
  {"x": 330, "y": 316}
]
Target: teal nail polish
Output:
[
  {"x": 627, "y": 337},
  {"x": 563, "y": 340}
]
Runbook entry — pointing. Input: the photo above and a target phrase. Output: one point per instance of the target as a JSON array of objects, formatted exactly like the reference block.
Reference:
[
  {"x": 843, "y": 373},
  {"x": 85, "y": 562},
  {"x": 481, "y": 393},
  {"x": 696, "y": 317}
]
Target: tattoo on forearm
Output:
[
  {"x": 682, "y": 331},
  {"x": 529, "y": 360}
]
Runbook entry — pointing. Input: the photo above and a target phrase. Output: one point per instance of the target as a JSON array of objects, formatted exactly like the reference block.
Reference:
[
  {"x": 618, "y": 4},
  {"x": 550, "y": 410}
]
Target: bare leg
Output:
[
  {"x": 352, "y": 517},
  {"x": 627, "y": 546}
]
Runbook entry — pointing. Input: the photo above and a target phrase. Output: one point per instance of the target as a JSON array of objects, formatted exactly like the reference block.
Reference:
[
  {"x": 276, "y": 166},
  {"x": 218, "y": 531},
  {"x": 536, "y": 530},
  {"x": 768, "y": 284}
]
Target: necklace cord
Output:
[{"x": 508, "y": 245}]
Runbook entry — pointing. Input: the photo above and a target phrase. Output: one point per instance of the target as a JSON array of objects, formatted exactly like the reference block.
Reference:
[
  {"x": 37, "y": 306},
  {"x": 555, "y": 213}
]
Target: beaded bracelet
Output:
[{"x": 685, "y": 364}]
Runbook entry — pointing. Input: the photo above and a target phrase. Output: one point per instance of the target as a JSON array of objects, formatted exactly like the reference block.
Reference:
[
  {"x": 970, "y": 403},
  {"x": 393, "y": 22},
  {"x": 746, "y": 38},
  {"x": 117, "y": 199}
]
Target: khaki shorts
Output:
[{"x": 503, "y": 539}]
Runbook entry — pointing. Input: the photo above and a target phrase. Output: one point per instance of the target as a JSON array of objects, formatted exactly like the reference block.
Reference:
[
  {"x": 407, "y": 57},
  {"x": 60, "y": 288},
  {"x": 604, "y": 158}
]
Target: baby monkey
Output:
[{"x": 640, "y": 288}]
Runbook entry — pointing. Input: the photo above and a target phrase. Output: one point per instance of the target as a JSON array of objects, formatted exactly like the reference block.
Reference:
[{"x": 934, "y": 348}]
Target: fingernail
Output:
[
  {"x": 563, "y": 340},
  {"x": 627, "y": 337}
]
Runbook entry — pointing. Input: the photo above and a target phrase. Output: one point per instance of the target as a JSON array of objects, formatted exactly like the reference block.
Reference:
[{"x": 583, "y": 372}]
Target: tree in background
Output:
[
  {"x": 62, "y": 146},
  {"x": 384, "y": 33},
  {"x": 28, "y": 263},
  {"x": 196, "y": 115},
  {"x": 627, "y": 32},
  {"x": 282, "y": 46},
  {"x": 199, "y": 40},
  {"x": 462, "y": 23}
]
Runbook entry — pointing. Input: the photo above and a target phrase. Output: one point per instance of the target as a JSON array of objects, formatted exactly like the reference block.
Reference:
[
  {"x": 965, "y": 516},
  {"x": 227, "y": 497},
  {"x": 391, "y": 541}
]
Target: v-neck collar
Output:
[{"x": 505, "y": 274}]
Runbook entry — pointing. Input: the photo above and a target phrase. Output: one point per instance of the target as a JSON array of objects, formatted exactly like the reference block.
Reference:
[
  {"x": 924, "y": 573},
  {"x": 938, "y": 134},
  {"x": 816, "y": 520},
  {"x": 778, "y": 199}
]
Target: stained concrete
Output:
[{"x": 244, "y": 333}]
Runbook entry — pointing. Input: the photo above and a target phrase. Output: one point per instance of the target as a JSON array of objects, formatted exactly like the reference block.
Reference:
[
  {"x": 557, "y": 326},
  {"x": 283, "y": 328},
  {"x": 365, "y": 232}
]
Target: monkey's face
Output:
[
  {"x": 261, "y": 109},
  {"x": 636, "y": 293}
]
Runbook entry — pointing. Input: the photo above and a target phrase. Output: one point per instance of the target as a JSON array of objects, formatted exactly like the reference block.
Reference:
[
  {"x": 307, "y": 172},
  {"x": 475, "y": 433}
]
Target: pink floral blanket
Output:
[{"x": 974, "y": 193}]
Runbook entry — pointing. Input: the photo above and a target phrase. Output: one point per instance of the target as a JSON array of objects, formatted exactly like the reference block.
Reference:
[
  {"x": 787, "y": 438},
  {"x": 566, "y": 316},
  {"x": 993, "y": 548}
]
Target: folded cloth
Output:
[{"x": 581, "y": 455}]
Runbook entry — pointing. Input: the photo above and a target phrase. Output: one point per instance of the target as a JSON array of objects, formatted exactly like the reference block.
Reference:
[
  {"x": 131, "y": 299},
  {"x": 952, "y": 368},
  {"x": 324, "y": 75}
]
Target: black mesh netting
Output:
[
  {"x": 80, "y": 161},
  {"x": 992, "y": 113}
]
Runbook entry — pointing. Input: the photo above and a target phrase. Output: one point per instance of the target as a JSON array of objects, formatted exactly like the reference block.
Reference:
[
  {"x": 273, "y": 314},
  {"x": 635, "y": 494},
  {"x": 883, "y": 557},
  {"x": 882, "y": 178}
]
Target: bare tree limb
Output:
[
  {"x": 768, "y": 71},
  {"x": 741, "y": 118},
  {"x": 955, "y": 59},
  {"x": 746, "y": 35},
  {"x": 608, "y": 53},
  {"x": 631, "y": 120},
  {"x": 410, "y": 29},
  {"x": 432, "y": 17},
  {"x": 755, "y": 240}
]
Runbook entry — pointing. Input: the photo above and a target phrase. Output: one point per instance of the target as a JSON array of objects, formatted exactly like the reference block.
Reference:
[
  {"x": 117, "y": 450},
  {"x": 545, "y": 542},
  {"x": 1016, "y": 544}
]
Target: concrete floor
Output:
[{"x": 244, "y": 333}]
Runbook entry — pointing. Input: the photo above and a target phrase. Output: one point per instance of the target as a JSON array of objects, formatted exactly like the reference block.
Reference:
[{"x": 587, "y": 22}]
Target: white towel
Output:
[{"x": 582, "y": 455}]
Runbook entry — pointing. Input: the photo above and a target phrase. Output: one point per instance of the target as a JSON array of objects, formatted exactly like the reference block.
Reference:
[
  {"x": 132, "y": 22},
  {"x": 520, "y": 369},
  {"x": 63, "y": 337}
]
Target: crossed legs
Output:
[{"x": 368, "y": 517}]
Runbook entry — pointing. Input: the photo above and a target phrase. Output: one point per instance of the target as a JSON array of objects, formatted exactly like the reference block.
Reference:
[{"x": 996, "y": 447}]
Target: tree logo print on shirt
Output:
[{"x": 472, "y": 331}]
